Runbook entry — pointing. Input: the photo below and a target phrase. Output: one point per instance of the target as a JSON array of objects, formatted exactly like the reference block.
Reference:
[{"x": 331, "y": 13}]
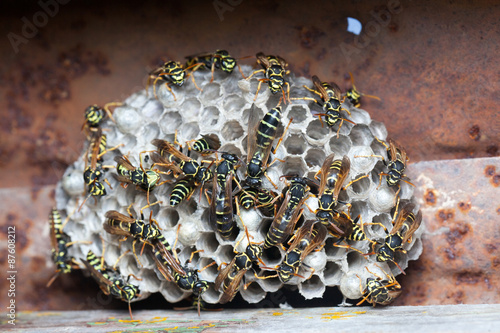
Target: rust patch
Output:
[
  {"x": 10, "y": 221},
  {"x": 430, "y": 197},
  {"x": 490, "y": 170},
  {"x": 468, "y": 277},
  {"x": 490, "y": 248},
  {"x": 34, "y": 192},
  {"x": 22, "y": 240},
  {"x": 464, "y": 206},
  {"x": 495, "y": 262},
  {"x": 78, "y": 61},
  {"x": 492, "y": 150},
  {"x": 52, "y": 194},
  {"x": 457, "y": 232},
  {"x": 458, "y": 297},
  {"x": 475, "y": 133},
  {"x": 309, "y": 36},
  {"x": 37, "y": 264},
  {"x": 445, "y": 215},
  {"x": 450, "y": 253},
  {"x": 393, "y": 27},
  {"x": 495, "y": 180}
]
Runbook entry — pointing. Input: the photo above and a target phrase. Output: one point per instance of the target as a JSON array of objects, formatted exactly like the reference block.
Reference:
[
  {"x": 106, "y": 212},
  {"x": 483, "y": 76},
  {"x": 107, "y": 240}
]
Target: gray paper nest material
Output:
[{"x": 223, "y": 108}]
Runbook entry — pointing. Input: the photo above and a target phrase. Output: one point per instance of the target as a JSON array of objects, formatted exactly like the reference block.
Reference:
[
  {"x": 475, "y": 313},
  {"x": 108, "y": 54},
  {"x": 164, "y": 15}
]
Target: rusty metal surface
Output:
[
  {"x": 432, "y": 63},
  {"x": 469, "y": 318},
  {"x": 461, "y": 258}
]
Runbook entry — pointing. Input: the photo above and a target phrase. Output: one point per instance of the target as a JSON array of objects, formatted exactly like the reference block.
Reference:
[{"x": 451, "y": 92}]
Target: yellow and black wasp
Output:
[
  {"x": 403, "y": 229},
  {"x": 352, "y": 229},
  {"x": 354, "y": 96},
  {"x": 274, "y": 69},
  {"x": 261, "y": 135},
  {"x": 266, "y": 200},
  {"x": 95, "y": 115},
  {"x": 333, "y": 175},
  {"x": 60, "y": 242},
  {"x": 187, "y": 166},
  {"x": 173, "y": 73},
  {"x": 145, "y": 179},
  {"x": 178, "y": 163},
  {"x": 307, "y": 238},
  {"x": 128, "y": 226},
  {"x": 168, "y": 265},
  {"x": 221, "y": 59},
  {"x": 379, "y": 290},
  {"x": 221, "y": 204},
  {"x": 231, "y": 275},
  {"x": 332, "y": 103},
  {"x": 110, "y": 281},
  {"x": 289, "y": 213},
  {"x": 206, "y": 145},
  {"x": 396, "y": 166},
  {"x": 93, "y": 173}
]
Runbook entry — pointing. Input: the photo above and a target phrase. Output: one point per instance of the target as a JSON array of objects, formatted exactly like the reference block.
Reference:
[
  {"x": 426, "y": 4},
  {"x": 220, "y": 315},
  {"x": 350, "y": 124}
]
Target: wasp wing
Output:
[
  {"x": 318, "y": 234},
  {"x": 169, "y": 258},
  {"x": 413, "y": 227},
  {"x": 223, "y": 274},
  {"x": 401, "y": 218},
  {"x": 233, "y": 287},
  {"x": 165, "y": 147},
  {"x": 253, "y": 123},
  {"x": 262, "y": 60},
  {"x": 324, "y": 173},
  {"x": 343, "y": 173},
  {"x": 117, "y": 228}
]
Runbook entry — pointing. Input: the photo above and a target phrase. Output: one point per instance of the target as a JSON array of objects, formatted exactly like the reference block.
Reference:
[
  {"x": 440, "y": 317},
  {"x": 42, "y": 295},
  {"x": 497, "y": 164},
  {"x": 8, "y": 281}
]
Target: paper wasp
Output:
[
  {"x": 289, "y": 213},
  {"x": 127, "y": 226},
  {"x": 145, "y": 179},
  {"x": 94, "y": 115},
  {"x": 265, "y": 199},
  {"x": 354, "y": 96},
  {"x": 274, "y": 69},
  {"x": 93, "y": 173},
  {"x": 173, "y": 73},
  {"x": 333, "y": 175},
  {"x": 218, "y": 60},
  {"x": 396, "y": 166},
  {"x": 60, "y": 242},
  {"x": 167, "y": 155},
  {"x": 178, "y": 163},
  {"x": 308, "y": 237},
  {"x": 221, "y": 204},
  {"x": 379, "y": 290},
  {"x": 261, "y": 135},
  {"x": 404, "y": 227},
  {"x": 332, "y": 104},
  {"x": 206, "y": 145},
  {"x": 230, "y": 277},
  {"x": 351, "y": 229},
  {"x": 110, "y": 281},
  {"x": 168, "y": 265}
]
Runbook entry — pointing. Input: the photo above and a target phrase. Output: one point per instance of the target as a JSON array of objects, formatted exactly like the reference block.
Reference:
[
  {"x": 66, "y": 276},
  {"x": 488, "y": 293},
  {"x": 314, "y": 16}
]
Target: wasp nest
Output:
[{"x": 223, "y": 108}]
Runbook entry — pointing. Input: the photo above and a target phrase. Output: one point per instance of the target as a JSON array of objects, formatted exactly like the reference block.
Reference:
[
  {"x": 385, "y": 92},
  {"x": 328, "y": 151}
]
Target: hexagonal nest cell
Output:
[{"x": 223, "y": 108}]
